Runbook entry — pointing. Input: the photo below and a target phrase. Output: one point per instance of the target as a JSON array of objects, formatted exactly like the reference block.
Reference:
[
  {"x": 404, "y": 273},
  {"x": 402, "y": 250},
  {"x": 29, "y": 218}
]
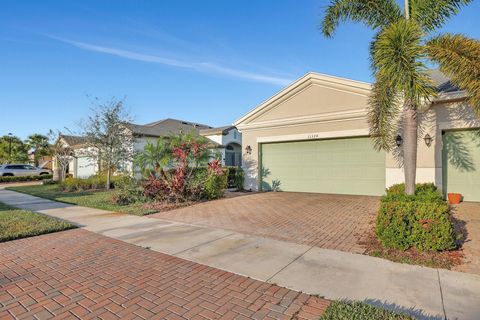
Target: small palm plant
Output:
[
  {"x": 403, "y": 45},
  {"x": 154, "y": 157}
]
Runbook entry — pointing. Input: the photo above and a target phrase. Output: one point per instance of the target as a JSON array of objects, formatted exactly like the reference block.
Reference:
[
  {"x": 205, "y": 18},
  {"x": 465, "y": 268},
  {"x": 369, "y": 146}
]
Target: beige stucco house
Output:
[
  {"x": 313, "y": 137},
  {"x": 229, "y": 142}
]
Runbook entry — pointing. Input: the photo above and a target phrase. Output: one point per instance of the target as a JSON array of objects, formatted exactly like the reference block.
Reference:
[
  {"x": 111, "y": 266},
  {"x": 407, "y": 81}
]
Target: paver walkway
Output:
[
  {"x": 79, "y": 274},
  {"x": 340, "y": 222},
  {"x": 468, "y": 223},
  {"x": 424, "y": 292}
]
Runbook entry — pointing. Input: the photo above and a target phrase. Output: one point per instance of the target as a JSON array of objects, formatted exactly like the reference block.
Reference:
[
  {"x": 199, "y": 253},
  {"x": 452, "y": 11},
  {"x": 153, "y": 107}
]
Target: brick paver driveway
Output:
[
  {"x": 467, "y": 223},
  {"x": 329, "y": 221},
  {"x": 79, "y": 274}
]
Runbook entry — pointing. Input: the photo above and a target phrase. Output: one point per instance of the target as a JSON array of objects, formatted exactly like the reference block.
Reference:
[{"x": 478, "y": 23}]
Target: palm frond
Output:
[
  {"x": 458, "y": 58},
  {"x": 397, "y": 54},
  {"x": 432, "y": 14},
  {"x": 374, "y": 13},
  {"x": 383, "y": 114}
]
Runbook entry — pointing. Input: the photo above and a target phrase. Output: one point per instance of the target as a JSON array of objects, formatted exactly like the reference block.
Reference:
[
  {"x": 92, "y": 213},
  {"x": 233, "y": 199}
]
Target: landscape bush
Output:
[
  {"x": 127, "y": 191},
  {"x": 235, "y": 177},
  {"x": 216, "y": 181},
  {"x": 96, "y": 182},
  {"x": 49, "y": 182},
  {"x": 421, "y": 221},
  {"x": 6, "y": 179},
  {"x": 181, "y": 169}
]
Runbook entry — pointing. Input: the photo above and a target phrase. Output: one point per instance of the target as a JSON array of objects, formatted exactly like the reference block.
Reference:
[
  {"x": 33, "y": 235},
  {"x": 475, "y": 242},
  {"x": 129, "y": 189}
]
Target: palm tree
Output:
[
  {"x": 40, "y": 145},
  {"x": 154, "y": 157},
  {"x": 402, "y": 47}
]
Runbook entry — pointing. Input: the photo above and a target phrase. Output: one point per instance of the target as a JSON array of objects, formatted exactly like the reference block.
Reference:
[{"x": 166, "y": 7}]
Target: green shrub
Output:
[
  {"x": 49, "y": 182},
  {"x": 96, "y": 182},
  {"x": 421, "y": 221},
  {"x": 425, "y": 191},
  {"x": 339, "y": 310},
  {"x": 27, "y": 178},
  {"x": 215, "y": 185},
  {"x": 127, "y": 191},
  {"x": 236, "y": 177}
]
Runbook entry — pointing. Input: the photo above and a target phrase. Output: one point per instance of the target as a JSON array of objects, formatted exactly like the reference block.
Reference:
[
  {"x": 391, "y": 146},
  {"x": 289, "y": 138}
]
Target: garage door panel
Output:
[
  {"x": 345, "y": 166},
  {"x": 461, "y": 163}
]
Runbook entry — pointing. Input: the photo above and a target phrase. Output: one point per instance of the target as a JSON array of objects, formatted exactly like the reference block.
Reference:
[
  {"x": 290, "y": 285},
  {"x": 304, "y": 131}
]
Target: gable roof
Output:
[
  {"x": 216, "y": 131},
  {"x": 300, "y": 84},
  {"x": 446, "y": 89},
  {"x": 74, "y": 141},
  {"x": 165, "y": 127}
]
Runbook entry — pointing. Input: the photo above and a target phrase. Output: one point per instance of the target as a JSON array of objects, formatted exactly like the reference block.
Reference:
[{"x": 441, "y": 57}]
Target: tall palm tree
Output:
[{"x": 404, "y": 43}]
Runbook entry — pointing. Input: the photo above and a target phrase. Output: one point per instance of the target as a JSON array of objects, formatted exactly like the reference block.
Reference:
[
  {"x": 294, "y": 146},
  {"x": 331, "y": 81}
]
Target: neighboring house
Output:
[
  {"x": 83, "y": 165},
  {"x": 313, "y": 136},
  {"x": 230, "y": 143}
]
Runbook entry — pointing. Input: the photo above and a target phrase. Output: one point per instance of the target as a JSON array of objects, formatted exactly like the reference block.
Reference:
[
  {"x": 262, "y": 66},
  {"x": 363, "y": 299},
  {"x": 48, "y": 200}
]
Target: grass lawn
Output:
[
  {"x": 17, "y": 223},
  {"x": 92, "y": 199},
  {"x": 338, "y": 310}
]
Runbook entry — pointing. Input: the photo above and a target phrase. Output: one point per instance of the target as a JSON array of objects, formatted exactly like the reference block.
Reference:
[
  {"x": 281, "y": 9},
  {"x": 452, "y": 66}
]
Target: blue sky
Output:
[{"x": 204, "y": 61}]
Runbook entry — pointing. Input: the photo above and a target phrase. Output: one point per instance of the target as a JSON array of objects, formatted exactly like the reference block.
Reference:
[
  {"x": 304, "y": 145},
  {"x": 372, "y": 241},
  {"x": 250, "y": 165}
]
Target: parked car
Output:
[{"x": 22, "y": 170}]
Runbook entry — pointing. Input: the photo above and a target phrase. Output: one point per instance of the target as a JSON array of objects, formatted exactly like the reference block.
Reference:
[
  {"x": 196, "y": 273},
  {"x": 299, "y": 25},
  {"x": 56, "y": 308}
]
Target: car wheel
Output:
[
  {"x": 8, "y": 174},
  {"x": 43, "y": 173}
]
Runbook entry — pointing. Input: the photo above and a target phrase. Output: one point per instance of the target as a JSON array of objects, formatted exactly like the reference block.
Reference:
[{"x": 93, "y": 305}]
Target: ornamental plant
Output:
[
  {"x": 184, "y": 169},
  {"x": 421, "y": 221}
]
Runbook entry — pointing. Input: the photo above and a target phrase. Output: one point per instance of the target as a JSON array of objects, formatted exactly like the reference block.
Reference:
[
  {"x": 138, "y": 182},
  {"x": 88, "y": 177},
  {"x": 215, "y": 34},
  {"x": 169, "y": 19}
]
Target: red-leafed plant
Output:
[{"x": 181, "y": 170}]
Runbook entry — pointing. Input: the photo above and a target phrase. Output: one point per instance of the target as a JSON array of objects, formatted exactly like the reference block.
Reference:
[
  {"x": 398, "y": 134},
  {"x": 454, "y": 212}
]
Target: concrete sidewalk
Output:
[{"x": 423, "y": 292}]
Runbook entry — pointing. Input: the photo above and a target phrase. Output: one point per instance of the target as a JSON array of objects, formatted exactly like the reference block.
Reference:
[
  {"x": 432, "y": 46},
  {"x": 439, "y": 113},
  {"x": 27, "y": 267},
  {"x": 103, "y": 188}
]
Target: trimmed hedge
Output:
[
  {"x": 24, "y": 178},
  {"x": 421, "y": 221}
]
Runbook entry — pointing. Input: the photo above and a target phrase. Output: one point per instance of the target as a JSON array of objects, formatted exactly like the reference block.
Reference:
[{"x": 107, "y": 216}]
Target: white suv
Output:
[{"x": 22, "y": 170}]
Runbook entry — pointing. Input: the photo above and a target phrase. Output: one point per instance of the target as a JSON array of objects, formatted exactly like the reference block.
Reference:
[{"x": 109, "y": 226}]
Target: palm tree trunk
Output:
[{"x": 410, "y": 127}]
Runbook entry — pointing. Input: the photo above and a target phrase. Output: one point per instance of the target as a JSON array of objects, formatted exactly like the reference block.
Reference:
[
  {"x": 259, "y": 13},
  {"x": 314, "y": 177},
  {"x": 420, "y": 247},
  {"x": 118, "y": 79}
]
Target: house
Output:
[
  {"x": 83, "y": 165},
  {"x": 313, "y": 136},
  {"x": 230, "y": 143}
]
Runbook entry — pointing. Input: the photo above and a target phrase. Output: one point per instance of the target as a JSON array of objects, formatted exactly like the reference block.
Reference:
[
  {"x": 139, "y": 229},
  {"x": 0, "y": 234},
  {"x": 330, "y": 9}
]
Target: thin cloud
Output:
[{"x": 207, "y": 67}]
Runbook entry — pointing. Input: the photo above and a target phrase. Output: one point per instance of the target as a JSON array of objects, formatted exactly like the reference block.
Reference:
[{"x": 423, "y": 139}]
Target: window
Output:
[{"x": 234, "y": 134}]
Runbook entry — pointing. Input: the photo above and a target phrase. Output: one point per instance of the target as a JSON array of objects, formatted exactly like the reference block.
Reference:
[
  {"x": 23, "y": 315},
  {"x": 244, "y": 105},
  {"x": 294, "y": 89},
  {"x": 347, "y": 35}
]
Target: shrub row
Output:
[
  {"x": 421, "y": 221},
  {"x": 96, "y": 182},
  {"x": 25, "y": 178}
]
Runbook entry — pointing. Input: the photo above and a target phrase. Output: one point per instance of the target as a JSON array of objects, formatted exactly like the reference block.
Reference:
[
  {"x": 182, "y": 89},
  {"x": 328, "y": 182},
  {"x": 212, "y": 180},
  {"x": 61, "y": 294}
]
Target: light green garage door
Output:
[
  {"x": 461, "y": 163},
  {"x": 344, "y": 166}
]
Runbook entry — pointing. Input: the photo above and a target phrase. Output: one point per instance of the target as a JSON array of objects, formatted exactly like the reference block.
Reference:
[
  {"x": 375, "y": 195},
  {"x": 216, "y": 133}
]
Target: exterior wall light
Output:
[
  {"x": 398, "y": 140},
  {"x": 248, "y": 149},
  {"x": 428, "y": 140}
]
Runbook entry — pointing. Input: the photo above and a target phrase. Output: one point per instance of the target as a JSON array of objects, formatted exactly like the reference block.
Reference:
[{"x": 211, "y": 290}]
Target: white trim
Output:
[
  {"x": 355, "y": 114},
  {"x": 458, "y": 125},
  {"x": 315, "y": 136},
  {"x": 341, "y": 84}
]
